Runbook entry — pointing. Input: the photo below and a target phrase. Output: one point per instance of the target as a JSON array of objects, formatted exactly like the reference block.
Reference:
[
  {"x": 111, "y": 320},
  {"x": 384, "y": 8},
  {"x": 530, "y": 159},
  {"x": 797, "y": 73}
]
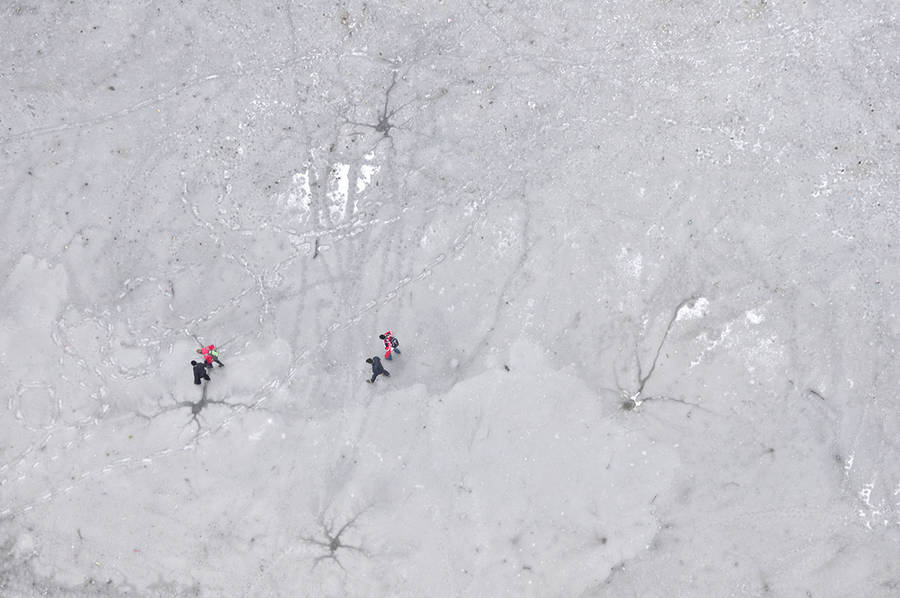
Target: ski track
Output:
[{"x": 242, "y": 69}]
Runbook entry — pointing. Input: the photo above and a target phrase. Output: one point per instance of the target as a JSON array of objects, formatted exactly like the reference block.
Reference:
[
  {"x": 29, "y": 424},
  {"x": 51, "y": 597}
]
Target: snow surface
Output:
[{"x": 640, "y": 256}]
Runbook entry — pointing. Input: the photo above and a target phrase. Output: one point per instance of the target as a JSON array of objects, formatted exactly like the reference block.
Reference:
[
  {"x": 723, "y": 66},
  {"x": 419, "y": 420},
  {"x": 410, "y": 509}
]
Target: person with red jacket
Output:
[
  {"x": 391, "y": 345},
  {"x": 210, "y": 355}
]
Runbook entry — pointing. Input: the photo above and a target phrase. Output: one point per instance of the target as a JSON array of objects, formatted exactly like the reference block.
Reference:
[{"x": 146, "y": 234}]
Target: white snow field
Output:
[{"x": 641, "y": 257}]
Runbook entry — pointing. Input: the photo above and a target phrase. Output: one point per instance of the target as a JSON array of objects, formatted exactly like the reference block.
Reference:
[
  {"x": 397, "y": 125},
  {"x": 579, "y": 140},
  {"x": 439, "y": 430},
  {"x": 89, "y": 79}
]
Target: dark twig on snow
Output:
[
  {"x": 815, "y": 393},
  {"x": 633, "y": 399},
  {"x": 384, "y": 124},
  {"x": 197, "y": 407},
  {"x": 643, "y": 379},
  {"x": 332, "y": 541}
]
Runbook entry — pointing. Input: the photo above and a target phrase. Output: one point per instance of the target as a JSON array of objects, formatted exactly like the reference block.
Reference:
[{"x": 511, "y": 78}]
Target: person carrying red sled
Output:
[
  {"x": 210, "y": 355},
  {"x": 391, "y": 345}
]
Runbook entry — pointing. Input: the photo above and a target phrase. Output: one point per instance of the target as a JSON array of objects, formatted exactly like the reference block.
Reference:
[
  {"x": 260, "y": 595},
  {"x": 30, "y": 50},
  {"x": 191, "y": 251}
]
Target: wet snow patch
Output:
[
  {"x": 753, "y": 317},
  {"x": 693, "y": 310}
]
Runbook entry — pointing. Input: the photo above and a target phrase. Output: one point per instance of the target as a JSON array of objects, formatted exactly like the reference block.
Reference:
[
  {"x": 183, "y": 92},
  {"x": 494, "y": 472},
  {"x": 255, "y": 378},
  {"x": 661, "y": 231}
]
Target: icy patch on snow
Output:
[
  {"x": 756, "y": 349},
  {"x": 338, "y": 191},
  {"x": 632, "y": 264},
  {"x": 298, "y": 196},
  {"x": 766, "y": 352},
  {"x": 710, "y": 343},
  {"x": 366, "y": 172},
  {"x": 877, "y": 512},
  {"x": 753, "y": 317},
  {"x": 302, "y": 197},
  {"x": 697, "y": 309}
]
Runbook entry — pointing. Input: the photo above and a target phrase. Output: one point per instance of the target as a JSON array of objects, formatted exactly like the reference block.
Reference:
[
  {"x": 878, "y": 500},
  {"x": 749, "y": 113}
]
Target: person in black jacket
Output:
[
  {"x": 199, "y": 372},
  {"x": 377, "y": 369}
]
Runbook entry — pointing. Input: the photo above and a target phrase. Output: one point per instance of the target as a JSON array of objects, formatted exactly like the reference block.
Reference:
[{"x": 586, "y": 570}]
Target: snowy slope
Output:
[{"x": 641, "y": 259}]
